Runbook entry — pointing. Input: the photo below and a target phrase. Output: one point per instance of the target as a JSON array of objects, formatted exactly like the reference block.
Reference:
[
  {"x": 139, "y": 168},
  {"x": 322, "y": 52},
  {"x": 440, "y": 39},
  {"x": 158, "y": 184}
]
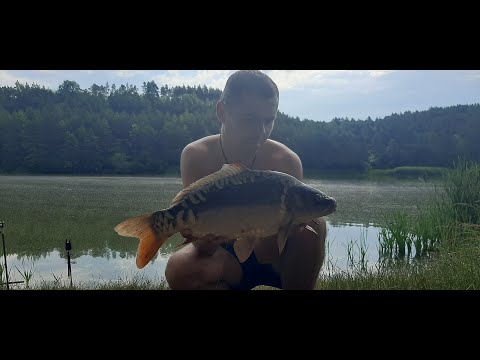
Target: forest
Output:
[{"x": 109, "y": 129}]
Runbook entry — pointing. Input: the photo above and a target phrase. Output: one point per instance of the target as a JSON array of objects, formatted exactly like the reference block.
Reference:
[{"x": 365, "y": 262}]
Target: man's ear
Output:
[{"x": 221, "y": 111}]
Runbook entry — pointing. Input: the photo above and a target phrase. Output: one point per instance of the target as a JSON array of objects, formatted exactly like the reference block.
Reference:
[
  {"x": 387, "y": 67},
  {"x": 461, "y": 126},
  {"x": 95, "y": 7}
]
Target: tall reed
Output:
[
  {"x": 449, "y": 218},
  {"x": 26, "y": 274}
]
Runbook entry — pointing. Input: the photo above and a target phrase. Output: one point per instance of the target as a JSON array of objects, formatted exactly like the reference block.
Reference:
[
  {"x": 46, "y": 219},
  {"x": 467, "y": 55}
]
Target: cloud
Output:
[
  {"x": 210, "y": 78},
  {"x": 328, "y": 81},
  {"x": 7, "y": 79},
  {"x": 128, "y": 73},
  {"x": 378, "y": 73},
  {"x": 300, "y": 79},
  {"x": 472, "y": 75},
  {"x": 285, "y": 79}
]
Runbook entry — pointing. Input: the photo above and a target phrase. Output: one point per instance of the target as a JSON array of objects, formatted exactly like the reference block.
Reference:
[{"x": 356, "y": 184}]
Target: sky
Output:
[{"x": 319, "y": 95}]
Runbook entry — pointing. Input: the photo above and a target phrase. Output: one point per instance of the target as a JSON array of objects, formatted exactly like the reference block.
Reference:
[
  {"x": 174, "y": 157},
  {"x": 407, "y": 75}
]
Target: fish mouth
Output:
[{"x": 329, "y": 204}]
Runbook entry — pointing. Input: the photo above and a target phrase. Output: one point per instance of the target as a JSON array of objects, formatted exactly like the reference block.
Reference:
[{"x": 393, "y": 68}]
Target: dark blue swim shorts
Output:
[{"x": 255, "y": 274}]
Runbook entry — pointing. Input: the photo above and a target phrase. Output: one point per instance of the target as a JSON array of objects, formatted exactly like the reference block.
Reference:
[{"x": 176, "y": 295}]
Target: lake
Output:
[{"x": 41, "y": 212}]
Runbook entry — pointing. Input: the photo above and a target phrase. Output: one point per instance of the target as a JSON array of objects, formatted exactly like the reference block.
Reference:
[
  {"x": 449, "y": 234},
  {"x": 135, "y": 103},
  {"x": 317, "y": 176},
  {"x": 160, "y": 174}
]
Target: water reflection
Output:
[
  {"x": 346, "y": 242},
  {"x": 86, "y": 269},
  {"x": 96, "y": 266}
]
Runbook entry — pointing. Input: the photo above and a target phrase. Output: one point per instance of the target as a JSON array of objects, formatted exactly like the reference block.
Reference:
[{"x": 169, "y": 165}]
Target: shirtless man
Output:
[{"x": 247, "y": 111}]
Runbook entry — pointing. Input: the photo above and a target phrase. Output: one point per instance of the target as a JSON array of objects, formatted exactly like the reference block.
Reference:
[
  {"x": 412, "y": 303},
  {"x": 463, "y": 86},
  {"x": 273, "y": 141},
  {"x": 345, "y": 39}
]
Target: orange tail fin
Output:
[{"x": 141, "y": 228}]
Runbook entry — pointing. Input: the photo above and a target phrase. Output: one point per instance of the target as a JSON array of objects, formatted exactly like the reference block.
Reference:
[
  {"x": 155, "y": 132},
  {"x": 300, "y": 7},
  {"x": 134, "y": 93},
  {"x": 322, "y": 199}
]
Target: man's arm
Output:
[
  {"x": 191, "y": 171},
  {"x": 286, "y": 160},
  {"x": 292, "y": 165},
  {"x": 189, "y": 164}
]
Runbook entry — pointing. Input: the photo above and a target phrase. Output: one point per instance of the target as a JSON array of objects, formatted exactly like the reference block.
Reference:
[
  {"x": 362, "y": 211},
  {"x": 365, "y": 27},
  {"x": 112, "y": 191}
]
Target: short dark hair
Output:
[{"x": 252, "y": 81}]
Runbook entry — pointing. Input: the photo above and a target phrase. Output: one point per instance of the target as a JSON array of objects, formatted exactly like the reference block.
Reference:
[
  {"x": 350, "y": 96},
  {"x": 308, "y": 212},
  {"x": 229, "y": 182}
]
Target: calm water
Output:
[{"x": 41, "y": 212}]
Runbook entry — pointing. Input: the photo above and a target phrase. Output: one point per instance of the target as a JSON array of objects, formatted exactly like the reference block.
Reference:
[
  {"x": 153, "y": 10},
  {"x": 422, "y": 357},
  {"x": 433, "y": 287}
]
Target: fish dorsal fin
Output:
[{"x": 226, "y": 171}]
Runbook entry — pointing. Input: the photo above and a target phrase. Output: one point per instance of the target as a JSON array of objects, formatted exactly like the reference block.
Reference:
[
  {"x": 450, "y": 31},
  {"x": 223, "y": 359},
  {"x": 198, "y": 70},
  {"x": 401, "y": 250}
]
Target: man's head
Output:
[
  {"x": 248, "y": 107},
  {"x": 253, "y": 82}
]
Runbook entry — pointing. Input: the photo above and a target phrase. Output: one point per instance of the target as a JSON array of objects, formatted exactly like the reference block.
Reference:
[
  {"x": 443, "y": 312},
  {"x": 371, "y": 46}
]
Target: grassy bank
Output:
[
  {"x": 439, "y": 248},
  {"x": 447, "y": 270}
]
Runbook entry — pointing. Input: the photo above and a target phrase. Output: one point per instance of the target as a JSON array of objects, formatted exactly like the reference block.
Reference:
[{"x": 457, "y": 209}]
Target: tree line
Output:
[{"x": 107, "y": 129}]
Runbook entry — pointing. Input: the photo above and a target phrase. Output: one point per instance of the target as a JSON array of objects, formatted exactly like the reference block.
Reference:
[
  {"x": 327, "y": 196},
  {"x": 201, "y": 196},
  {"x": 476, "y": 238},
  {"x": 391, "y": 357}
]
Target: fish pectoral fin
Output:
[
  {"x": 282, "y": 236},
  {"x": 308, "y": 227},
  {"x": 243, "y": 248}
]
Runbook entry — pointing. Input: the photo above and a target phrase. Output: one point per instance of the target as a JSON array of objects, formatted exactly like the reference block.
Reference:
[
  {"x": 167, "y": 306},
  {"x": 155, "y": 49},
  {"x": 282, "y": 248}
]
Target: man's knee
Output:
[
  {"x": 320, "y": 226},
  {"x": 179, "y": 272},
  {"x": 304, "y": 256},
  {"x": 173, "y": 272},
  {"x": 308, "y": 243},
  {"x": 187, "y": 270}
]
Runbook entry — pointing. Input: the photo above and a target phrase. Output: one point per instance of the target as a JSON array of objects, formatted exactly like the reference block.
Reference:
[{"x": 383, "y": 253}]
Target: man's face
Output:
[{"x": 250, "y": 120}]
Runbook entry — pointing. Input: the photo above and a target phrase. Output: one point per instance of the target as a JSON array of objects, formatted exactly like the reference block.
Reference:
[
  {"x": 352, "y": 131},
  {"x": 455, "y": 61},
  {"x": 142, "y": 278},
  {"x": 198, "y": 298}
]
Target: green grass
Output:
[
  {"x": 445, "y": 218},
  {"x": 26, "y": 274},
  {"x": 446, "y": 270},
  {"x": 438, "y": 248},
  {"x": 134, "y": 283}
]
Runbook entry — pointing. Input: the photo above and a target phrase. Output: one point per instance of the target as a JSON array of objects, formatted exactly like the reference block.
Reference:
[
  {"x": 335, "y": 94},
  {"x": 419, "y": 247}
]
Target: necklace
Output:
[{"x": 225, "y": 156}]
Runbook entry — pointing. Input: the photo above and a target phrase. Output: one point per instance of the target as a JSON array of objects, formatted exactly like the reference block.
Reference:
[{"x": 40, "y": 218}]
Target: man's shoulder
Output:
[
  {"x": 284, "y": 159},
  {"x": 196, "y": 159},
  {"x": 281, "y": 152},
  {"x": 200, "y": 147}
]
